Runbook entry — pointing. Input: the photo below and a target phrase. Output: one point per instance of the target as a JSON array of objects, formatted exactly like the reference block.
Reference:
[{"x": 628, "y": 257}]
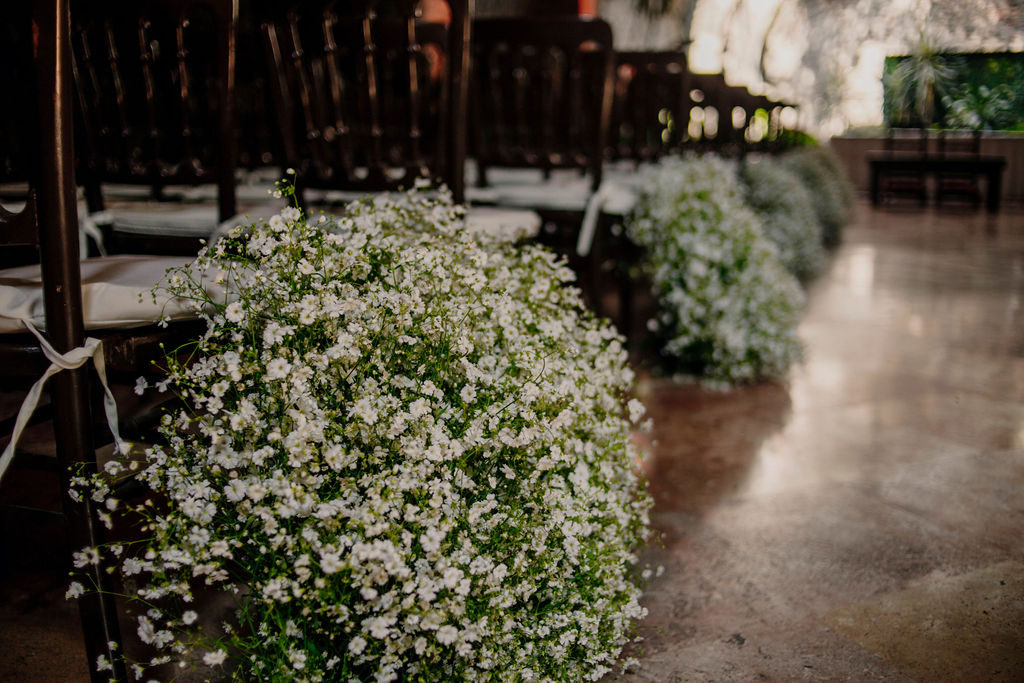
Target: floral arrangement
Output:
[
  {"x": 728, "y": 309},
  {"x": 404, "y": 456},
  {"x": 831, "y": 193},
  {"x": 785, "y": 209}
]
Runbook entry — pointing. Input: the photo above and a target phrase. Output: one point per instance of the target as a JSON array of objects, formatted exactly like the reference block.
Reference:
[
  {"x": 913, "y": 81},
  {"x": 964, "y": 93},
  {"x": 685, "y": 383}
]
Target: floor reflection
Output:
[
  {"x": 864, "y": 520},
  {"x": 706, "y": 440}
]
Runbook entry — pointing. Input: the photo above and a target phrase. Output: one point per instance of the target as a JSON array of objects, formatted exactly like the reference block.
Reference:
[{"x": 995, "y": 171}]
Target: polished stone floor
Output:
[
  {"x": 861, "y": 521},
  {"x": 864, "y": 520}
]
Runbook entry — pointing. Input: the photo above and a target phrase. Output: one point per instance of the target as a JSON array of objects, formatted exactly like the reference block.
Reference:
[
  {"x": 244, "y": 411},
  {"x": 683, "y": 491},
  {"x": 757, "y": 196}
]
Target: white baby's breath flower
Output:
[
  {"x": 403, "y": 450},
  {"x": 446, "y": 635},
  {"x": 214, "y": 657},
  {"x": 278, "y": 368},
  {"x": 85, "y": 557},
  {"x": 728, "y": 309},
  {"x": 357, "y": 645},
  {"x": 636, "y": 410},
  {"x": 234, "y": 312}
]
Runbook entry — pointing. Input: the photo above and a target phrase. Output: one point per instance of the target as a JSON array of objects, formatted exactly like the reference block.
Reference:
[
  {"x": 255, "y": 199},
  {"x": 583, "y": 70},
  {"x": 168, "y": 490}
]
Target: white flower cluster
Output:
[
  {"x": 728, "y": 310},
  {"x": 405, "y": 452},
  {"x": 786, "y": 211},
  {"x": 832, "y": 195}
]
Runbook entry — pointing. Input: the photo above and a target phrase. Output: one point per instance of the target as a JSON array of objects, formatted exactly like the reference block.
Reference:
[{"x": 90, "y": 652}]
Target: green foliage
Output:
[
  {"x": 984, "y": 92},
  {"x": 981, "y": 108},
  {"x": 785, "y": 208},
  {"x": 790, "y": 139},
  {"x": 830, "y": 190},
  {"x": 917, "y": 82}
]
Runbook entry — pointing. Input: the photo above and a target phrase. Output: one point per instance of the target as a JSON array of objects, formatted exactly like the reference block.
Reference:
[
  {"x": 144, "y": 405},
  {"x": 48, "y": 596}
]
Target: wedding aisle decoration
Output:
[
  {"x": 785, "y": 209},
  {"x": 830, "y": 190},
  {"x": 728, "y": 309},
  {"x": 405, "y": 455}
]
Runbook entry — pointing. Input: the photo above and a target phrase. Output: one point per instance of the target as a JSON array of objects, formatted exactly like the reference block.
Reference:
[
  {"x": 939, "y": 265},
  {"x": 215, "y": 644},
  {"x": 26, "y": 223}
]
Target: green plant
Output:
[
  {"x": 402, "y": 456},
  {"x": 792, "y": 139},
  {"x": 728, "y": 309},
  {"x": 916, "y": 83},
  {"x": 981, "y": 108}
]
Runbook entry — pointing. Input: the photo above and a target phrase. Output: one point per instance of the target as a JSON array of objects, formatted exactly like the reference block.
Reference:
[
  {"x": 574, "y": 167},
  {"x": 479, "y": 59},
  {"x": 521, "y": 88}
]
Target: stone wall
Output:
[{"x": 825, "y": 55}]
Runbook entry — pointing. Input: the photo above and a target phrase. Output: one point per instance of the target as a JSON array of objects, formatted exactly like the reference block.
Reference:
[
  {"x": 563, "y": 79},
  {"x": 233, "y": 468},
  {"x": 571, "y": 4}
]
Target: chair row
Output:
[{"x": 172, "y": 95}]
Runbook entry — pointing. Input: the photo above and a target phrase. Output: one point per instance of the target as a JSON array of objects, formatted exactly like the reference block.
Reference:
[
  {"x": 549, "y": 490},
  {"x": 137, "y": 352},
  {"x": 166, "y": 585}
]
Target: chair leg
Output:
[{"x": 98, "y": 609}]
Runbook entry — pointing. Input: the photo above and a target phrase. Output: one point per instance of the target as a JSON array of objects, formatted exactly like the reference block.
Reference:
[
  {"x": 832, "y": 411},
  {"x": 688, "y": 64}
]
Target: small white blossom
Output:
[
  {"x": 234, "y": 312},
  {"x": 357, "y": 645}
]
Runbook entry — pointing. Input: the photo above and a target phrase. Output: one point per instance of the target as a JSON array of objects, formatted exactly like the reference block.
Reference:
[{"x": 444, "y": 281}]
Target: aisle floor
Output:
[
  {"x": 864, "y": 520},
  {"x": 861, "y": 521}
]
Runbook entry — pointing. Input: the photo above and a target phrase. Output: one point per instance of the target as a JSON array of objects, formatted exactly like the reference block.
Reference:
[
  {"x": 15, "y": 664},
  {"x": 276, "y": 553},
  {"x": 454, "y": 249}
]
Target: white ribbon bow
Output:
[
  {"x": 75, "y": 358},
  {"x": 588, "y": 230}
]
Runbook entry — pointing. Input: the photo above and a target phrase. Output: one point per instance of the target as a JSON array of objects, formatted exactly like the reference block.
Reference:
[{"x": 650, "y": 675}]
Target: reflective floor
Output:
[{"x": 862, "y": 521}]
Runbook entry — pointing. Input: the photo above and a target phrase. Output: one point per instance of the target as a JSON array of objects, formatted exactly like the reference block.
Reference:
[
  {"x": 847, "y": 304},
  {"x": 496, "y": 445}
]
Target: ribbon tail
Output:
[{"x": 585, "y": 241}]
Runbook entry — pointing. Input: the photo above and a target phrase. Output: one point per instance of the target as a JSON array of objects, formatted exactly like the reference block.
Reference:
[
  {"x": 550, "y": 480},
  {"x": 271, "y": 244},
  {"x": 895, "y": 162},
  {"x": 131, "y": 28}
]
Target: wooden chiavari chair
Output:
[{"x": 155, "y": 86}]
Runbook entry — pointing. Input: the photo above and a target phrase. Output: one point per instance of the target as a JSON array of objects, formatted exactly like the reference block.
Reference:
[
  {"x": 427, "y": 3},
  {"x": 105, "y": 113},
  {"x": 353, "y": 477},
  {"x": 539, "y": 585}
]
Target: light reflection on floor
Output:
[{"x": 809, "y": 529}]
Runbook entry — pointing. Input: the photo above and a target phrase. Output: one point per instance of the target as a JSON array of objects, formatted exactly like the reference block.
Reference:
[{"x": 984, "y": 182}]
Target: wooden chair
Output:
[
  {"x": 369, "y": 102},
  {"x": 542, "y": 94},
  {"x": 59, "y": 299},
  {"x": 906, "y": 141},
  {"x": 539, "y": 119},
  {"x": 363, "y": 101},
  {"x": 155, "y": 93},
  {"x": 958, "y": 143},
  {"x": 651, "y": 106}
]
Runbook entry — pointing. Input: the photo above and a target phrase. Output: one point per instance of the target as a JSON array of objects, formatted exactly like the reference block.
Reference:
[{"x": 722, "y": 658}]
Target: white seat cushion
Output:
[
  {"x": 628, "y": 174},
  {"x": 504, "y": 224},
  {"x": 115, "y": 293},
  {"x": 563, "y": 191},
  {"x": 178, "y": 220},
  {"x": 251, "y": 190}
]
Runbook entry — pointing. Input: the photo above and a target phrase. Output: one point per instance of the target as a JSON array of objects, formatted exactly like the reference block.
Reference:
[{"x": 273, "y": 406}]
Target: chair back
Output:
[
  {"x": 651, "y": 106},
  {"x": 155, "y": 91},
  {"x": 907, "y": 140},
  {"x": 365, "y": 101},
  {"x": 47, "y": 221},
  {"x": 259, "y": 143},
  {"x": 541, "y": 94},
  {"x": 959, "y": 142}
]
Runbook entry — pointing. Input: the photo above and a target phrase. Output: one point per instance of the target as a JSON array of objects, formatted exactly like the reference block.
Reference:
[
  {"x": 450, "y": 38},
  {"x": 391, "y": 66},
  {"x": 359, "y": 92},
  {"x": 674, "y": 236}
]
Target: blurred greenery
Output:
[
  {"x": 789, "y": 139},
  {"x": 977, "y": 91}
]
